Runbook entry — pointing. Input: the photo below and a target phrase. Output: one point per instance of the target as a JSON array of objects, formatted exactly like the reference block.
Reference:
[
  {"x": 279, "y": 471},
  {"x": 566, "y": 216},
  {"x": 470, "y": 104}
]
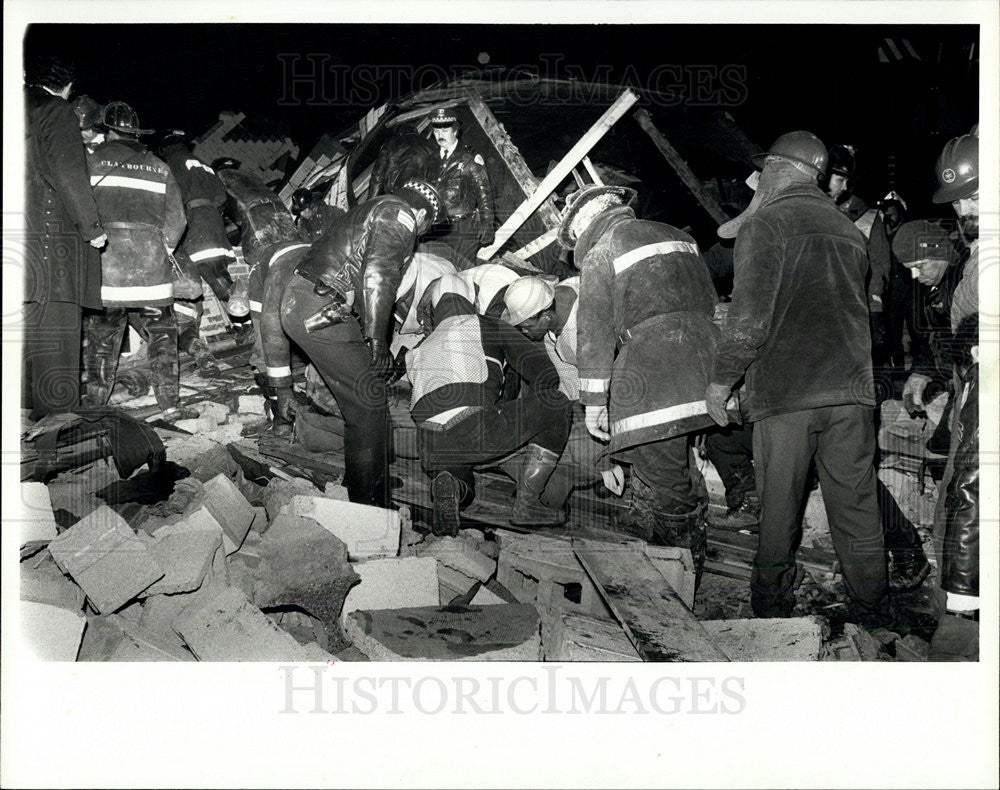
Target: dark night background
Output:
[{"x": 824, "y": 78}]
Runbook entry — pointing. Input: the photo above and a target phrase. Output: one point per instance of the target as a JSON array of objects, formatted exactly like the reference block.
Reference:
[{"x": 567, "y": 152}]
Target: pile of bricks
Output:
[{"x": 263, "y": 155}]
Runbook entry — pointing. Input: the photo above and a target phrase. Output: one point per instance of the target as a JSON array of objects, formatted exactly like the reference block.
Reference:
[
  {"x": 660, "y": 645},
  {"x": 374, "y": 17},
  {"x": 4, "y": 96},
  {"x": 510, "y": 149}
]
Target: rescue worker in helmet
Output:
[
  {"x": 461, "y": 421},
  {"x": 312, "y": 215},
  {"x": 335, "y": 300},
  {"x": 143, "y": 212},
  {"x": 90, "y": 114},
  {"x": 465, "y": 188}
]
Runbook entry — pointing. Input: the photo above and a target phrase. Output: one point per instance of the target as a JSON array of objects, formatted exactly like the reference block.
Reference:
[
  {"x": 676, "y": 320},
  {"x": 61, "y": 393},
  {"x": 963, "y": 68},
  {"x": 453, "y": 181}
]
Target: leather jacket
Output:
[
  {"x": 402, "y": 158},
  {"x": 366, "y": 251},
  {"x": 263, "y": 219},
  {"x": 464, "y": 185},
  {"x": 960, "y": 567}
]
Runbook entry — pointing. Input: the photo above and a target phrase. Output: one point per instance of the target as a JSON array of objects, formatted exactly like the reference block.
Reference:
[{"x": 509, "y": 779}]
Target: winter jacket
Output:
[
  {"x": 263, "y": 219},
  {"x": 645, "y": 335},
  {"x": 459, "y": 367},
  {"x": 960, "y": 566},
  {"x": 464, "y": 185},
  {"x": 143, "y": 214},
  {"x": 870, "y": 223},
  {"x": 204, "y": 196},
  {"x": 277, "y": 350},
  {"x": 798, "y": 323},
  {"x": 60, "y": 211},
  {"x": 366, "y": 251},
  {"x": 401, "y": 159}
]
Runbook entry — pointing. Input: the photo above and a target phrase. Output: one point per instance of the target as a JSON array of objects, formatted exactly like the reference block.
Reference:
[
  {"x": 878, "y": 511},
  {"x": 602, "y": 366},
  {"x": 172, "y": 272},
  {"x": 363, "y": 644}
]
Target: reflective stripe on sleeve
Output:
[
  {"x": 128, "y": 293},
  {"x": 632, "y": 257},
  {"x": 183, "y": 309},
  {"x": 214, "y": 252},
  {"x": 658, "y": 417},
  {"x": 256, "y": 307},
  {"x": 279, "y": 373},
  {"x": 594, "y": 385}
]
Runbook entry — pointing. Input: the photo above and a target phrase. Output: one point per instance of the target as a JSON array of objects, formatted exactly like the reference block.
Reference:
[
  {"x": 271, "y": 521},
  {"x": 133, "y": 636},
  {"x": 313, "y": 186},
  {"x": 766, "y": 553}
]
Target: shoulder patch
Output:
[
  {"x": 479, "y": 160},
  {"x": 405, "y": 218}
]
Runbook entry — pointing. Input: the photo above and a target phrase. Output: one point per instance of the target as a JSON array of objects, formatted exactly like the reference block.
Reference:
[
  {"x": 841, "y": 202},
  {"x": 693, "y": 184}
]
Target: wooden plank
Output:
[
  {"x": 654, "y": 617},
  {"x": 702, "y": 195},
  {"x": 583, "y": 146},
  {"x": 594, "y": 175},
  {"x": 538, "y": 244}
]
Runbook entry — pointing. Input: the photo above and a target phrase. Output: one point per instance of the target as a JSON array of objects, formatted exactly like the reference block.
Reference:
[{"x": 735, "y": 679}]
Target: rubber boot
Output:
[
  {"x": 208, "y": 367},
  {"x": 282, "y": 403},
  {"x": 558, "y": 488},
  {"x": 447, "y": 495},
  {"x": 100, "y": 380},
  {"x": 539, "y": 464},
  {"x": 685, "y": 530}
]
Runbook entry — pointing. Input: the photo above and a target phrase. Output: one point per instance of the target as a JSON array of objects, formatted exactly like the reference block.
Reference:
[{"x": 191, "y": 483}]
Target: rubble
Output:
[
  {"x": 369, "y": 532},
  {"x": 393, "y": 584},
  {"x": 458, "y": 555},
  {"x": 490, "y": 633},
  {"x": 36, "y": 518},
  {"x": 230, "y": 508},
  {"x": 768, "y": 639},
  {"x": 185, "y": 558},
  {"x": 43, "y": 582},
  {"x": 51, "y": 633},
  {"x": 580, "y": 637},
  {"x": 104, "y": 556}
]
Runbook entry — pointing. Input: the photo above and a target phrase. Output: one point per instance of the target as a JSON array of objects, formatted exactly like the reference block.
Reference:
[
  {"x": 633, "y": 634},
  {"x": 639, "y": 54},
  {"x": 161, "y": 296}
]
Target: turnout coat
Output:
[
  {"x": 140, "y": 203},
  {"x": 645, "y": 336}
]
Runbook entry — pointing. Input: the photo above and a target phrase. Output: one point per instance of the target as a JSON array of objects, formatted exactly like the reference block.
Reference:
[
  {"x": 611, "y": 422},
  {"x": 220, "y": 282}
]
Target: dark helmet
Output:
[
  {"x": 420, "y": 194},
  {"x": 957, "y": 169},
  {"x": 88, "y": 111},
  {"x": 226, "y": 163},
  {"x": 171, "y": 138},
  {"x": 301, "y": 198},
  {"x": 802, "y": 147},
  {"x": 842, "y": 160},
  {"x": 120, "y": 117}
]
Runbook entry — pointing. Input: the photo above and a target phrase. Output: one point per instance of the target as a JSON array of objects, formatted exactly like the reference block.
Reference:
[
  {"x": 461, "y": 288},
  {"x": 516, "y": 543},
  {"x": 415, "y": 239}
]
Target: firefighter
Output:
[
  {"x": 645, "y": 343},
  {"x": 90, "y": 113},
  {"x": 457, "y": 375},
  {"x": 143, "y": 212},
  {"x": 336, "y": 304},
  {"x": 204, "y": 252},
  {"x": 465, "y": 188},
  {"x": 405, "y": 156}
]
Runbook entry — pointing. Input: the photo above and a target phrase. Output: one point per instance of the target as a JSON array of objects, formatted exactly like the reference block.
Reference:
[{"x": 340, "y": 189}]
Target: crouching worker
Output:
[
  {"x": 547, "y": 313},
  {"x": 337, "y": 307},
  {"x": 462, "y": 423}
]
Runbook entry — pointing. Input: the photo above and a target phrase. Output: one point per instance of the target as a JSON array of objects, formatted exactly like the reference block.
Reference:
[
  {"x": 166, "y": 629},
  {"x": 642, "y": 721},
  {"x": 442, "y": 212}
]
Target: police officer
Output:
[
  {"x": 143, "y": 212},
  {"x": 337, "y": 306},
  {"x": 465, "y": 188}
]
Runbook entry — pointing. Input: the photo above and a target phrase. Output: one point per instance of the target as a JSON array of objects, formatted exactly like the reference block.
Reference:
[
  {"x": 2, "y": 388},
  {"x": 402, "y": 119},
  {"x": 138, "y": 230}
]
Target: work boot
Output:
[
  {"x": 101, "y": 380},
  {"x": 558, "y": 488},
  {"x": 447, "y": 493},
  {"x": 956, "y": 638},
  {"x": 539, "y": 464},
  {"x": 745, "y": 515},
  {"x": 907, "y": 569},
  {"x": 685, "y": 530},
  {"x": 282, "y": 403},
  {"x": 208, "y": 367}
]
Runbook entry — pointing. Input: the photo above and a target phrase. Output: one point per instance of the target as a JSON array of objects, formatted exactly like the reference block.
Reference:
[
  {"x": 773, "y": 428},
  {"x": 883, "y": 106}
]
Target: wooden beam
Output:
[
  {"x": 538, "y": 244},
  {"x": 702, "y": 195},
  {"x": 654, "y": 617},
  {"x": 583, "y": 146},
  {"x": 594, "y": 175}
]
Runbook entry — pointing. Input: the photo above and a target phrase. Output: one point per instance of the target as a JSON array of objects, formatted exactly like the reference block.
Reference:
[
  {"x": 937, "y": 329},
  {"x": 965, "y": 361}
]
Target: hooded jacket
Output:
[
  {"x": 141, "y": 207},
  {"x": 798, "y": 323},
  {"x": 645, "y": 337}
]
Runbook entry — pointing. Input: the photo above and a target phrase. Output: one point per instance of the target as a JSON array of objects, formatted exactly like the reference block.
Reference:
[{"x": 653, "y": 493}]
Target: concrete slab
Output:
[
  {"x": 393, "y": 584},
  {"x": 458, "y": 555},
  {"x": 185, "y": 559},
  {"x": 368, "y": 532},
  {"x": 140, "y": 644},
  {"x": 103, "y": 555},
  {"x": 36, "y": 519},
  {"x": 580, "y": 637},
  {"x": 677, "y": 567},
  {"x": 768, "y": 639},
  {"x": 487, "y": 633},
  {"x": 230, "y": 508},
  {"x": 50, "y": 632},
  {"x": 485, "y": 597},
  {"x": 43, "y": 582}
]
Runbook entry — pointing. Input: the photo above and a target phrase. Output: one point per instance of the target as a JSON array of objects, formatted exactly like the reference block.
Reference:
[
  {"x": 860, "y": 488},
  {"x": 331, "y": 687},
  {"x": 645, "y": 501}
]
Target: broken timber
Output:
[
  {"x": 702, "y": 195},
  {"x": 565, "y": 166},
  {"x": 657, "y": 622}
]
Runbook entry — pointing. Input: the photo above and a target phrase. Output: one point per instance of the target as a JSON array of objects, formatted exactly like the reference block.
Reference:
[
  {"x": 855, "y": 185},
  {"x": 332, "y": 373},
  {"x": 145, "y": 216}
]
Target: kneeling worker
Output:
[{"x": 457, "y": 375}]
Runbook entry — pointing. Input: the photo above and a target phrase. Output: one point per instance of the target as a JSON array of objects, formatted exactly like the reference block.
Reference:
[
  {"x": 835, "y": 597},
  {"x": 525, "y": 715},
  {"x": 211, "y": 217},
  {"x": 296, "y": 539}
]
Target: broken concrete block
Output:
[
  {"x": 228, "y": 627},
  {"x": 336, "y": 491},
  {"x": 139, "y": 644},
  {"x": 251, "y": 404},
  {"x": 160, "y": 611},
  {"x": 100, "y": 639},
  {"x": 768, "y": 639},
  {"x": 864, "y": 642},
  {"x": 278, "y": 494},
  {"x": 260, "y": 522},
  {"x": 315, "y": 654},
  {"x": 477, "y": 540},
  {"x": 217, "y": 413},
  {"x": 200, "y": 520},
  {"x": 488, "y": 633},
  {"x": 369, "y": 532},
  {"x": 43, "y": 582},
  {"x": 51, "y": 633},
  {"x": 912, "y": 648},
  {"x": 393, "y": 584},
  {"x": 677, "y": 567},
  {"x": 458, "y": 555},
  {"x": 304, "y": 565},
  {"x": 486, "y": 597},
  {"x": 350, "y": 654},
  {"x": 185, "y": 559},
  {"x": 36, "y": 519},
  {"x": 230, "y": 508},
  {"x": 580, "y": 637},
  {"x": 455, "y": 582},
  {"x": 104, "y": 556}
]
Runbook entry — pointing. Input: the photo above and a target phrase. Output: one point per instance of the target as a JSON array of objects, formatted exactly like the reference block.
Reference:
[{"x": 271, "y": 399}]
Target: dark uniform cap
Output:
[
  {"x": 226, "y": 163},
  {"x": 922, "y": 239},
  {"x": 442, "y": 118},
  {"x": 842, "y": 160},
  {"x": 420, "y": 194}
]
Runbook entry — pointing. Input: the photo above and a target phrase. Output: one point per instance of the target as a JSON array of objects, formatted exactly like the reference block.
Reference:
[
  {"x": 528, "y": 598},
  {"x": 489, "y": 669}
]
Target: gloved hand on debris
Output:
[
  {"x": 381, "y": 363},
  {"x": 716, "y": 396},
  {"x": 596, "y": 418},
  {"x": 614, "y": 480},
  {"x": 913, "y": 394}
]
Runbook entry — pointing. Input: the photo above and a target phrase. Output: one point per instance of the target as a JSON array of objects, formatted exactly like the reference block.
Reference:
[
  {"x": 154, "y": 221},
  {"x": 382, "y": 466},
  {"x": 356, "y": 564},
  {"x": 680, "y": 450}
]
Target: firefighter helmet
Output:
[
  {"x": 957, "y": 169},
  {"x": 583, "y": 205},
  {"x": 802, "y": 147},
  {"x": 120, "y": 117},
  {"x": 842, "y": 161},
  {"x": 226, "y": 163},
  {"x": 300, "y": 199}
]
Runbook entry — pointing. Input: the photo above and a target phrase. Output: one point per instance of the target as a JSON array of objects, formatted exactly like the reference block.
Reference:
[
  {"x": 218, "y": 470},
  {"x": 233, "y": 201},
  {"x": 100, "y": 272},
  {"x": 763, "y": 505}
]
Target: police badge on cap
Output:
[{"x": 442, "y": 118}]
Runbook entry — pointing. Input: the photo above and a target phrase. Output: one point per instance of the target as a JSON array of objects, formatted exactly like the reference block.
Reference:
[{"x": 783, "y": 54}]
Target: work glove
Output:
[
  {"x": 716, "y": 396},
  {"x": 381, "y": 363},
  {"x": 486, "y": 234},
  {"x": 614, "y": 480},
  {"x": 99, "y": 242},
  {"x": 596, "y": 418},
  {"x": 913, "y": 394}
]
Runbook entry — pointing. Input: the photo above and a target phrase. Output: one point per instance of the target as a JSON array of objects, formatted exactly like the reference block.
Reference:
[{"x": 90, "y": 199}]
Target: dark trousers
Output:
[
  {"x": 665, "y": 468},
  {"x": 50, "y": 377},
  {"x": 730, "y": 450},
  {"x": 841, "y": 439},
  {"x": 341, "y": 357},
  {"x": 105, "y": 330},
  {"x": 462, "y": 235},
  {"x": 188, "y": 314},
  {"x": 494, "y": 432}
]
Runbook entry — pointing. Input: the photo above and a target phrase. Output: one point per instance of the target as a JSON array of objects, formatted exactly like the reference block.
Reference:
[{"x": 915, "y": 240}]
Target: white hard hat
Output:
[
  {"x": 525, "y": 297},
  {"x": 451, "y": 284}
]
